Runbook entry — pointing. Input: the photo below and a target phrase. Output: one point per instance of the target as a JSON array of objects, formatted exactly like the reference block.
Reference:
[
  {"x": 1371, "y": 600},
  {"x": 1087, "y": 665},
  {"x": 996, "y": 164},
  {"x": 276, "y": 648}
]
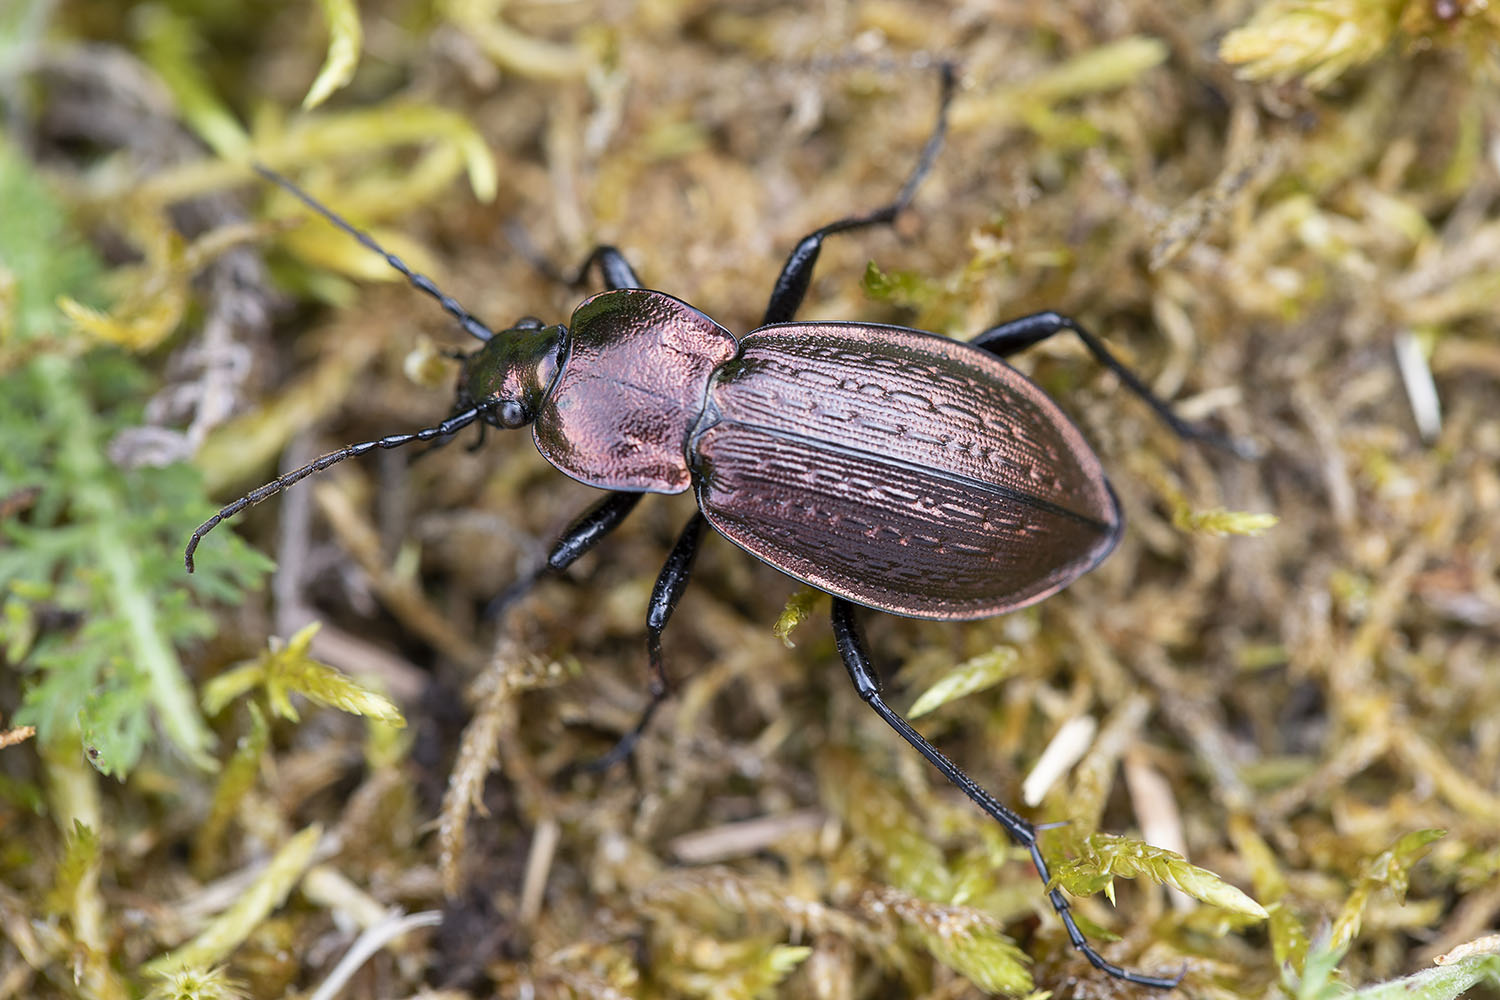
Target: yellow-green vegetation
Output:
[{"x": 1272, "y": 743}]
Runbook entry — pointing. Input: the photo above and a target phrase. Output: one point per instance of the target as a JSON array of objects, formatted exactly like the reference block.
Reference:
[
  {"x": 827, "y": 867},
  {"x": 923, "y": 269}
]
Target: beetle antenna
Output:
[
  {"x": 452, "y": 425},
  {"x": 420, "y": 282}
]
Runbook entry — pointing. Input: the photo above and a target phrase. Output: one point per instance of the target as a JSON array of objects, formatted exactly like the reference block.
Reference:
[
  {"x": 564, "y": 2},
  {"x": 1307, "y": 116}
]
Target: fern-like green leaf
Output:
[
  {"x": 93, "y": 555},
  {"x": 1446, "y": 982}
]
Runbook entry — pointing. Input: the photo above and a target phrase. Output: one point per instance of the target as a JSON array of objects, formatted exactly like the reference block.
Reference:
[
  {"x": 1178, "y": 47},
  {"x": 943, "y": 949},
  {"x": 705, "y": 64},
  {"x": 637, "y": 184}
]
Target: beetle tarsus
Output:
[{"x": 851, "y": 646}]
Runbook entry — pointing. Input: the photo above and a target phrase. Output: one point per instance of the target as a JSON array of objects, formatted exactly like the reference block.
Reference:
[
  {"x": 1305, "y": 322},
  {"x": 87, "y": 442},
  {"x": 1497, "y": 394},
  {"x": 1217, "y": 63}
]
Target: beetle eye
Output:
[{"x": 511, "y": 414}]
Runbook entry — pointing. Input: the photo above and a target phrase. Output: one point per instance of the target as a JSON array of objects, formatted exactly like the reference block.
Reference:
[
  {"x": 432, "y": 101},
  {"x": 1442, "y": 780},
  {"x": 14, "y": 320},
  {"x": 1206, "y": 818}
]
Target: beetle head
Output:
[{"x": 509, "y": 378}]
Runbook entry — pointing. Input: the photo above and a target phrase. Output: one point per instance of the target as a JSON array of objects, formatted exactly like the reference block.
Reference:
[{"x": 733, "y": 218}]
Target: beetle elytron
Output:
[{"x": 892, "y": 468}]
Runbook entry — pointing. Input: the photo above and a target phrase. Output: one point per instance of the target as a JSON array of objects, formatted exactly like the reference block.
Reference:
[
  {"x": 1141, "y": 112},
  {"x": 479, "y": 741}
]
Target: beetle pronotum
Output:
[{"x": 894, "y": 469}]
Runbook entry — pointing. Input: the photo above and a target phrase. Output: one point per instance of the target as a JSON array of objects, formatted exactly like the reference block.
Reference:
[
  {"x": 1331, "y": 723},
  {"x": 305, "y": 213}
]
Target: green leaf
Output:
[
  {"x": 40, "y": 257},
  {"x": 1319, "y": 979},
  {"x": 1390, "y": 869},
  {"x": 1457, "y": 973},
  {"x": 984, "y": 957},
  {"x": 798, "y": 607},
  {"x": 109, "y": 537},
  {"x": 1446, "y": 982},
  {"x": 1221, "y": 522},
  {"x": 975, "y": 674},
  {"x": 346, "y": 37},
  {"x": 781, "y": 961},
  {"x": 1107, "y": 857},
  {"x": 287, "y": 669},
  {"x": 95, "y": 554},
  {"x": 227, "y": 931}
]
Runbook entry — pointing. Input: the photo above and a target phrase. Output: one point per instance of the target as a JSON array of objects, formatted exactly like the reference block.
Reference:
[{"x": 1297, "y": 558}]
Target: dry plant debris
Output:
[{"x": 1283, "y": 213}]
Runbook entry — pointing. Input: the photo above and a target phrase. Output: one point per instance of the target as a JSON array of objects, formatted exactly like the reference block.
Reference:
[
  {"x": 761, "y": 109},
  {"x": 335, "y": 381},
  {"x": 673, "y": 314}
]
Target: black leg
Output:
[
  {"x": 590, "y": 528},
  {"x": 471, "y": 449},
  {"x": 852, "y": 648},
  {"x": 1019, "y": 334},
  {"x": 582, "y": 535},
  {"x": 796, "y": 273},
  {"x": 664, "y": 597},
  {"x": 614, "y": 269}
]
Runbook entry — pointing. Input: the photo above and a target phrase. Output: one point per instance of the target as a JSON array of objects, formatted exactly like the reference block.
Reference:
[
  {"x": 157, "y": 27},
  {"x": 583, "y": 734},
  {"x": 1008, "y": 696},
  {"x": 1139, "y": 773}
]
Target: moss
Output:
[{"x": 1250, "y": 213}]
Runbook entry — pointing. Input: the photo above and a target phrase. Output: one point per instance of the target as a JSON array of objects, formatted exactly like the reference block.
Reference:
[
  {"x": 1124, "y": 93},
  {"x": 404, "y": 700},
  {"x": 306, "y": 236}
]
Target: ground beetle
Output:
[{"x": 892, "y": 468}]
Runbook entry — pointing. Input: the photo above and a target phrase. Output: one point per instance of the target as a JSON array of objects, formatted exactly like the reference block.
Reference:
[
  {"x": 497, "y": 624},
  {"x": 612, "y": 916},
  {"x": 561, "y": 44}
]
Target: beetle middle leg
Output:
[
  {"x": 1018, "y": 334},
  {"x": 796, "y": 273},
  {"x": 670, "y": 584},
  {"x": 588, "y": 530},
  {"x": 851, "y": 646}
]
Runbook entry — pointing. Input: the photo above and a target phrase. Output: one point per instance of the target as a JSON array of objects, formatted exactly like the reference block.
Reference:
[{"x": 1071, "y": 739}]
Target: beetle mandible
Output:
[{"x": 894, "y": 469}]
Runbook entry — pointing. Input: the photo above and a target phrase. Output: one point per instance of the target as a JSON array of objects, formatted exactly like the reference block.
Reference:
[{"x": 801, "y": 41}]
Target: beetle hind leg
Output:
[
  {"x": 851, "y": 645},
  {"x": 1018, "y": 334}
]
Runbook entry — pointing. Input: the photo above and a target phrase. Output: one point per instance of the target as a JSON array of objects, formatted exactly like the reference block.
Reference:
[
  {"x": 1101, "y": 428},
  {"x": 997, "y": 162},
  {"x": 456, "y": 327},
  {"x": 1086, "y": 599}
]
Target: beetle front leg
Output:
[
  {"x": 582, "y": 535},
  {"x": 796, "y": 273},
  {"x": 1018, "y": 334},
  {"x": 614, "y": 269},
  {"x": 851, "y": 647},
  {"x": 664, "y": 597}
]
